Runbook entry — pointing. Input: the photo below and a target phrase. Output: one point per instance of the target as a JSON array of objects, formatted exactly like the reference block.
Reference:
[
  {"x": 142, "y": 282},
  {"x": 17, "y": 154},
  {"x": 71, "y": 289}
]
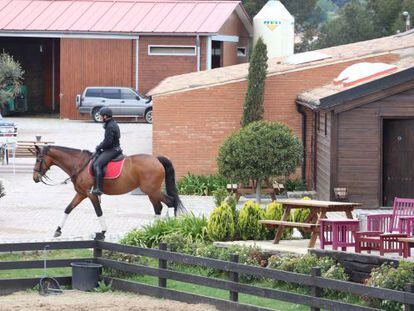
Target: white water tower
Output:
[{"x": 277, "y": 28}]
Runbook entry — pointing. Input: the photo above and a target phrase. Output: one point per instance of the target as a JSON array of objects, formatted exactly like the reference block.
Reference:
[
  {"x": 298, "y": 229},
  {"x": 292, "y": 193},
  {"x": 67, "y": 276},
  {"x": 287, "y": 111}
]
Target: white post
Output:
[
  {"x": 137, "y": 64},
  {"x": 208, "y": 54}
]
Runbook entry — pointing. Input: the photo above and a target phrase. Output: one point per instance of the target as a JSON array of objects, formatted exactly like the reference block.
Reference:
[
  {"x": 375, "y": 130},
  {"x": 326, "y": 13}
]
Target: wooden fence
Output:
[{"x": 315, "y": 282}]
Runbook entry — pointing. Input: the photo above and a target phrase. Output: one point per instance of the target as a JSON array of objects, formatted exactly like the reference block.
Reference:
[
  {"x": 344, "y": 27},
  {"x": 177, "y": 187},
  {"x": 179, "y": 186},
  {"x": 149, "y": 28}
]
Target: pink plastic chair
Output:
[
  {"x": 390, "y": 222},
  {"x": 338, "y": 232}
]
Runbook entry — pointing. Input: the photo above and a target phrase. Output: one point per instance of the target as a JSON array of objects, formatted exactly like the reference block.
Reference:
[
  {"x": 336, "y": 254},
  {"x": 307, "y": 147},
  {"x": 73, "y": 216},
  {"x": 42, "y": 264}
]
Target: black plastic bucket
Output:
[{"x": 85, "y": 275}]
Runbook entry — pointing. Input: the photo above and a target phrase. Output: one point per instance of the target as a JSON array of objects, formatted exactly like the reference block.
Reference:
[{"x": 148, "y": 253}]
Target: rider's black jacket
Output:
[{"x": 112, "y": 136}]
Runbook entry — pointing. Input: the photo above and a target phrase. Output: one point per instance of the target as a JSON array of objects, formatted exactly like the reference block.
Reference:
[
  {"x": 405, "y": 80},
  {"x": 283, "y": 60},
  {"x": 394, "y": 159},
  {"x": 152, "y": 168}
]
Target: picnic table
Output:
[{"x": 318, "y": 211}]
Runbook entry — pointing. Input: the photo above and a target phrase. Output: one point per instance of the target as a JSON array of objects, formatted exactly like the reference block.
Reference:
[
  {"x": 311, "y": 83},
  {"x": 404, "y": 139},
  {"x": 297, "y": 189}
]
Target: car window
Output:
[
  {"x": 93, "y": 93},
  {"x": 127, "y": 94},
  {"x": 111, "y": 93}
]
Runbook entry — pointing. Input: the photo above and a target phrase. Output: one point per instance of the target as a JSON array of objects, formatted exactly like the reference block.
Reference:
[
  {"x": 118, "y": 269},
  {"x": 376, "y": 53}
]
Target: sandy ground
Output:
[{"x": 82, "y": 301}]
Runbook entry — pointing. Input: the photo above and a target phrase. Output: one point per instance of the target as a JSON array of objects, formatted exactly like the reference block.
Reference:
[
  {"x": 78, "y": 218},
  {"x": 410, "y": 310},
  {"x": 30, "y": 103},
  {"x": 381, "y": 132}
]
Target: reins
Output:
[{"x": 65, "y": 182}]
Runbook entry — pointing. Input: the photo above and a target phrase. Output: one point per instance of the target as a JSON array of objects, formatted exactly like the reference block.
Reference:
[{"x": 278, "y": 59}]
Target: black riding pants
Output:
[{"x": 104, "y": 158}]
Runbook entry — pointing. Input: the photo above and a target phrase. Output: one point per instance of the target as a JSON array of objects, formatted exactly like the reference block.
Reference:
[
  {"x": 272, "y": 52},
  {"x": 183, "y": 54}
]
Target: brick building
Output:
[
  {"x": 210, "y": 102},
  {"x": 64, "y": 46}
]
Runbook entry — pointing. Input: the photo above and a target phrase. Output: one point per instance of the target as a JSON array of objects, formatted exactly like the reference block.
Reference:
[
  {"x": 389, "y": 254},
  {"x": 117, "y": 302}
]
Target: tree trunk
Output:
[{"x": 258, "y": 190}]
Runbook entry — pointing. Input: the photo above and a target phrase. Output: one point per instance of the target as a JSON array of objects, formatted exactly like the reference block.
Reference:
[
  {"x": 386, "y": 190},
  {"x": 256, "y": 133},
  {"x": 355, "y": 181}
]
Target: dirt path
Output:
[{"x": 81, "y": 301}]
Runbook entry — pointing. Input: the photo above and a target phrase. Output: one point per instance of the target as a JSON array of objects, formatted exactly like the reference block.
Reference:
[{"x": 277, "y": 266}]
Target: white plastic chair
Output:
[{"x": 8, "y": 146}]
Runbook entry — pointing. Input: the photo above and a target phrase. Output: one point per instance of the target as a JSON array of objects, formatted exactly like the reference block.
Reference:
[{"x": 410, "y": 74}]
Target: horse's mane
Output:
[{"x": 65, "y": 149}]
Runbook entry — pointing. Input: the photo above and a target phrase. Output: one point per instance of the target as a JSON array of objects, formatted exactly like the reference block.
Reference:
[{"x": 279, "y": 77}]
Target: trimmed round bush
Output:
[
  {"x": 248, "y": 222},
  {"x": 220, "y": 226}
]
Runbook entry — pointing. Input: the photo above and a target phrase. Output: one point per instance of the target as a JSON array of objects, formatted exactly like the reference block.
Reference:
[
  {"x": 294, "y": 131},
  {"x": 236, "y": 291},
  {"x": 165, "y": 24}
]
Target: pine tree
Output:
[{"x": 253, "y": 103}]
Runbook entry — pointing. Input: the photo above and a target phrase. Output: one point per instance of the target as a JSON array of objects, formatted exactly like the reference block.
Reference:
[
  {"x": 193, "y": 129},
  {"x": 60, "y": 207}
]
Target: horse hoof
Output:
[{"x": 57, "y": 234}]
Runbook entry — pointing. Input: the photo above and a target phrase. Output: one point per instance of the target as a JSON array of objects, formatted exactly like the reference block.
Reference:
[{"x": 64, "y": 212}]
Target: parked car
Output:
[
  {"x": 124, "y": 102},
  {"x": 7, "y": 128}
]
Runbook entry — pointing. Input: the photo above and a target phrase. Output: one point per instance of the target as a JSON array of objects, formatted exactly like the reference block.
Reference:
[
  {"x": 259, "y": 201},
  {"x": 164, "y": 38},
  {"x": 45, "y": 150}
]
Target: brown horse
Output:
[{"x": 143, "y": 171}]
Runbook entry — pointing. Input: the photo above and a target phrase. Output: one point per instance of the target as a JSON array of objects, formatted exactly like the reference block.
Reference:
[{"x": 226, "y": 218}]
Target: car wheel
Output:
[
  {"x": 96, "y": 116},
  {"x": 148, "y": 116}
]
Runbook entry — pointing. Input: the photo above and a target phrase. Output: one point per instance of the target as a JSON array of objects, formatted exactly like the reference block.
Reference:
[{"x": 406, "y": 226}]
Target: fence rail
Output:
[{"x": 315, "y": 282}]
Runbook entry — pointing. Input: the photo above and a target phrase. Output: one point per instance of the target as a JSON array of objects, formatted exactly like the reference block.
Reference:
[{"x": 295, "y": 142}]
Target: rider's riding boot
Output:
[{"x": 98, "y": 183}]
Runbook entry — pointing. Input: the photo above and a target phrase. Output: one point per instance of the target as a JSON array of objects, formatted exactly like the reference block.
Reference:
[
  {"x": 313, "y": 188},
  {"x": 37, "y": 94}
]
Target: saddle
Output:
[{"x": 113, "y": 169}]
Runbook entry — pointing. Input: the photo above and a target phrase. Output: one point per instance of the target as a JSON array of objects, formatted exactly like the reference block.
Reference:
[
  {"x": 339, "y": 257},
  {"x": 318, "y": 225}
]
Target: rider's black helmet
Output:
[{"x": 105, "y": 111}]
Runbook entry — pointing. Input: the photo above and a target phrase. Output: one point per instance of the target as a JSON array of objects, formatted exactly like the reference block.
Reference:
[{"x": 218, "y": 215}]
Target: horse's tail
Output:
[{"x": 170, "y": 184}]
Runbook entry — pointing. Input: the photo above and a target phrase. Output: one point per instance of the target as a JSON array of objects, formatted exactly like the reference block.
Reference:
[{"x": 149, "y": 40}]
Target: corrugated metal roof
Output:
[{"x": 120, "y": 16}]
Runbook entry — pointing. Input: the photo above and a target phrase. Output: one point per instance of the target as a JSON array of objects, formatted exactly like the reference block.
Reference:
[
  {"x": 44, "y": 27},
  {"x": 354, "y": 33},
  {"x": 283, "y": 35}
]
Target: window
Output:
[
  {"x": 326, "y": 123},
  {"x": 241, "y": 52},
  {"x": 111, "y": 93},
  {"x": 172, "y": 50},
  {"x": 128, "y": 94},
  {"x": 93, "y": 93}
]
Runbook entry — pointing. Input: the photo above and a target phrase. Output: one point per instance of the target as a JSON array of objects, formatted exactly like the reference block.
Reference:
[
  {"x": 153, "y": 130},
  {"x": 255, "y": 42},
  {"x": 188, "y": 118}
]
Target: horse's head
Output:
[{"x": 43, "y": 163}]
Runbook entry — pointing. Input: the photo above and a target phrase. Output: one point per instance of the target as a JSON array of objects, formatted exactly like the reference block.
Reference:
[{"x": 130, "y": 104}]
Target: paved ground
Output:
[{"x": 32, "y": 211}]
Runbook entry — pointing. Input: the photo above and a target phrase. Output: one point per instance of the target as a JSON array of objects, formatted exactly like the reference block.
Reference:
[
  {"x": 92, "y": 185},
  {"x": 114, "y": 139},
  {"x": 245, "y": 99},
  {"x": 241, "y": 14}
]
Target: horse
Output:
[{"x": 140, "y": 170}]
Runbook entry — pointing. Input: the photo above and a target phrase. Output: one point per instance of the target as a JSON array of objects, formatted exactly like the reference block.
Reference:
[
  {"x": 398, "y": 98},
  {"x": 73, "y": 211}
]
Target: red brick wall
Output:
[
  {"x": 190, "y": 126},
  {"x": 153, "y": 69}
]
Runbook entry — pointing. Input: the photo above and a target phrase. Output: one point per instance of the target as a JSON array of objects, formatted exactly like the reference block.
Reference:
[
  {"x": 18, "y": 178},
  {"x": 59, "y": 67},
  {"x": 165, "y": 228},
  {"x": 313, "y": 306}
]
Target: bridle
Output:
[{"x": 42, "y": 171}]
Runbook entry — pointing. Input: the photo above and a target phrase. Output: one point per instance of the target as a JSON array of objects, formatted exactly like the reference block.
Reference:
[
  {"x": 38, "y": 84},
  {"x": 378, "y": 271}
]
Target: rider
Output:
[{"x": 107, "y": 150}]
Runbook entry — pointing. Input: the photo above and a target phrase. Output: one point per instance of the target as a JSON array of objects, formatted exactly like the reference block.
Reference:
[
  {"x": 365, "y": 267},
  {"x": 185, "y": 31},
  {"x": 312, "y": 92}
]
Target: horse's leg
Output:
[
  {"x": 156, "y": 203},
  {"x": 98, "y": 210},
  {"x": 75, "y": 202}
]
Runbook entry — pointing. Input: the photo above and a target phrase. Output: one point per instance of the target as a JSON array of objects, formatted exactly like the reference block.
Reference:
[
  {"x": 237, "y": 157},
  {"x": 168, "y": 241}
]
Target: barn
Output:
[
  {"x": 364, "y": 133},
  {"x": 67, "y": 45},
  {"x": 211, "y": 102}
]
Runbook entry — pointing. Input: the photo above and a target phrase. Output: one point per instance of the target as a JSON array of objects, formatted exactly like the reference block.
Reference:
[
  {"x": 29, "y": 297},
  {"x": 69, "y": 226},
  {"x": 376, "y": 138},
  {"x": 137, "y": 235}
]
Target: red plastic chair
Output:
[
  {"x": 390, "y": 222},
  {"x": 338, "y": 233}
]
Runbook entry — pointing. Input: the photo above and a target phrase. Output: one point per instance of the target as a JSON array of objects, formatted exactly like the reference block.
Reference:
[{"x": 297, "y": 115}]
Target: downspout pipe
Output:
[{"x": 299, "y": 109}]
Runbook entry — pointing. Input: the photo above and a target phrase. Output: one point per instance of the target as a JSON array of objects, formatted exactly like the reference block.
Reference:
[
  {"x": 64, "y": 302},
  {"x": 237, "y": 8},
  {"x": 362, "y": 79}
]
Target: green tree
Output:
[
  {"x": 353, "y": 24},
  {"x": 259, "y": 151},
  {"x": 11, "y": 75},
  {"x": 253, "y": 103}
]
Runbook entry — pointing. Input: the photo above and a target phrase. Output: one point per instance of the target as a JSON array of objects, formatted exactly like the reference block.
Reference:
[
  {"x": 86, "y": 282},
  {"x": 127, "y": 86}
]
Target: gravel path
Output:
[{"x": 82, "y": 301}]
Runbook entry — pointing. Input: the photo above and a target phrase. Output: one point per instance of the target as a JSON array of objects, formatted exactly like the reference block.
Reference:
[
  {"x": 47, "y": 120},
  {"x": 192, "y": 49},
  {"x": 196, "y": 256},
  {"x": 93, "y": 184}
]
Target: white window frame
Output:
[
  {"x": 245, "y": 51},
  {"x": 172, "y": 46}
]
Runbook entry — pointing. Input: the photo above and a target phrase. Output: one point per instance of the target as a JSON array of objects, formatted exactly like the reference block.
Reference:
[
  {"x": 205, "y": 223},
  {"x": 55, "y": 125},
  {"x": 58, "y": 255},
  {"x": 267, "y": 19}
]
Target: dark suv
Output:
[{"x": 123, "y": 101}]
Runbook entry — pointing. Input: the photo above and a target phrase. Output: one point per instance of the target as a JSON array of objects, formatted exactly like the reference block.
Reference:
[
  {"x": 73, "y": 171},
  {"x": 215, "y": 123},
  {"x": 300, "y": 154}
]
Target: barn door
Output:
[{"x": 398, "y": 159}]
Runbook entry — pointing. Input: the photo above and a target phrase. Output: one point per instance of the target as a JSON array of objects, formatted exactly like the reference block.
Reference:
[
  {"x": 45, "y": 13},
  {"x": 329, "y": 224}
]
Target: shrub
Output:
[
  {"x": 274, "y": 211},
  {"x": 189, "y": 226},
  {"x": 299, "y": 215},
  {"x": 220, "y": 225},
  {"x": 220, "y": 195},
  {"x": 304, "y": 264},
  {"x": 248, "y": 221},
  {"x": 200, "y": 184},
  {"x": 389, "y": 276},
  {"x": 296, "y": 184}
]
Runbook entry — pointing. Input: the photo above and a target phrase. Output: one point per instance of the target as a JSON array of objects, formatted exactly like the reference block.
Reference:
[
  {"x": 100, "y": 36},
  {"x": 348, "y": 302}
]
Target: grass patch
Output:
[
  {"x": 221, "y": 294},
  {"x": 39, "y": 255}
]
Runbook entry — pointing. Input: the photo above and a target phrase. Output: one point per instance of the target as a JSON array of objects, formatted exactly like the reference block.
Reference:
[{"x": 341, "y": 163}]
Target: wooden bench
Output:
[
  {"x": 275, "y": 223},
  {"x": 407, "y": 244},
  {"x": 239, "y": 190}
]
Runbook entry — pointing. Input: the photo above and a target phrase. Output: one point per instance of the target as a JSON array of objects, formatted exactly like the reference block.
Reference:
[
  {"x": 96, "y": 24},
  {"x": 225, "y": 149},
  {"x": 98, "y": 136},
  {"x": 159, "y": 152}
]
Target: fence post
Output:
[
  {"x": 97, "y": 252},
  {"x": 234, "y": 277},
  {"x": 410, "y": 289},
  {"x": 162, "y": 264},
  {"x": 316, "y": 291}
]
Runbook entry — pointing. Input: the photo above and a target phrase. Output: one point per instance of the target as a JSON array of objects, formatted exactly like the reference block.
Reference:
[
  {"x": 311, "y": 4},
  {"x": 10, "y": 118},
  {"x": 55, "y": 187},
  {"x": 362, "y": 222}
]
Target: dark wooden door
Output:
[{"x": 398, "y": 159}]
